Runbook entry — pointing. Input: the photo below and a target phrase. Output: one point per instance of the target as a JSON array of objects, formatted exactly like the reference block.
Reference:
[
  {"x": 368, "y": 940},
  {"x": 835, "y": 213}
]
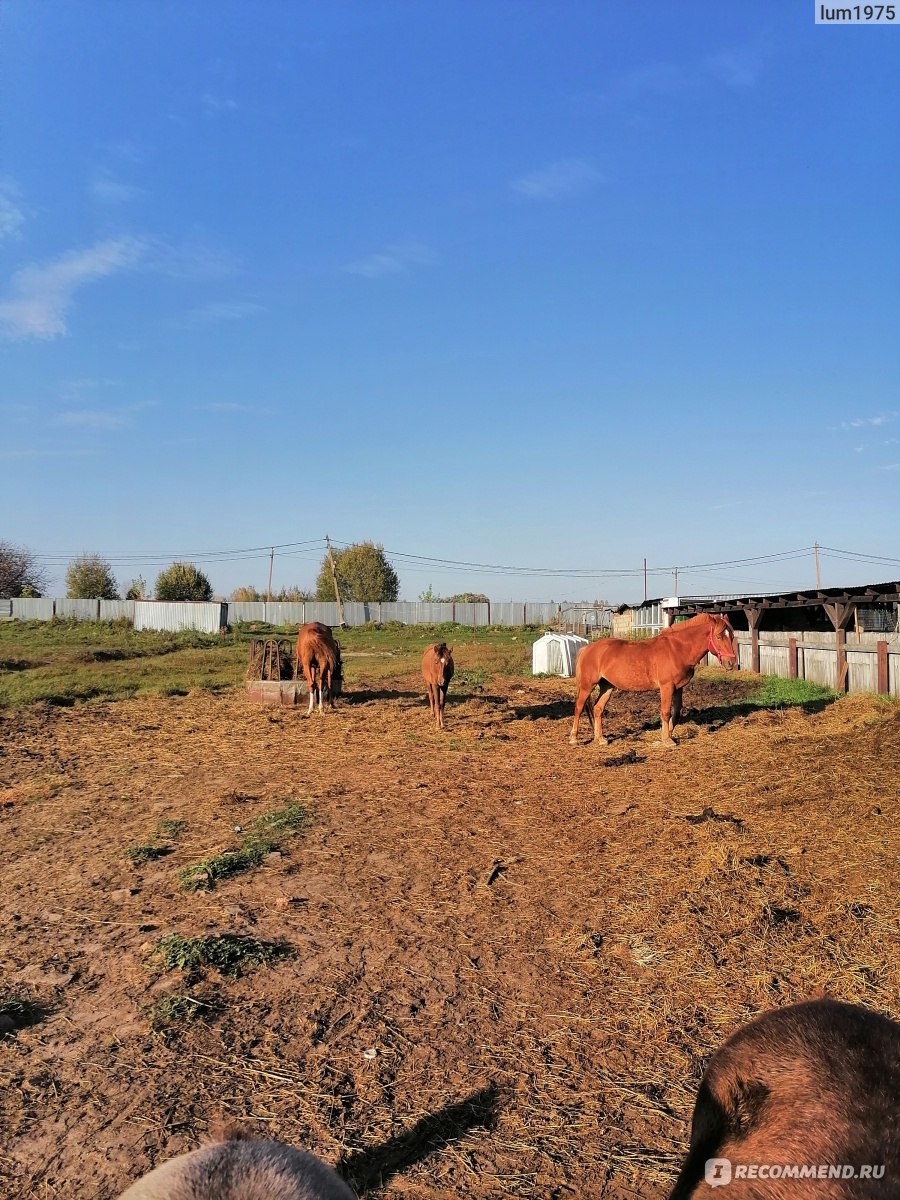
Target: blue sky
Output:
[{"x": 516, "y": 284}]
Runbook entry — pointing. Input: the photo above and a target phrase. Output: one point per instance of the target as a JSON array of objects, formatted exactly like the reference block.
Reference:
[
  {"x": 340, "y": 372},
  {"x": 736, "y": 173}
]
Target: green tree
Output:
[
  {"x": 137, "y": 589},
  {"x": 247, "y": 595},
  {"x": 470, "y": 598},
  {"x": 20, "y": 572},
  {"x": 89, "y": 577},
  {"x": 292, "y": 595},
  {"x": 363, "y": 572},
  {"x": 182, "y": 581},
  {"x": 430, "y": 596}
]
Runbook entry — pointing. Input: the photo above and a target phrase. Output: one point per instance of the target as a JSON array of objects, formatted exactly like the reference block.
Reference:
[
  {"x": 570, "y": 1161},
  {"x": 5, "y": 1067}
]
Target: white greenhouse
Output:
[{"x": 555, "y": 654}]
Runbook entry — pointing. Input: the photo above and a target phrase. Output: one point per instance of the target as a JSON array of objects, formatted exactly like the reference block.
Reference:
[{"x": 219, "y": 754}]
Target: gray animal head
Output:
[{"x": 241, "y": 1169}]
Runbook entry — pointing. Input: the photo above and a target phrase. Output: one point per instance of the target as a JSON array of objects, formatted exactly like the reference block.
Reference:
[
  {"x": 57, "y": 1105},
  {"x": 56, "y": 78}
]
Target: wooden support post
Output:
[
  {"x": 881, "y": 658},
  {"x": 840, "y": 614},
  {"x": 792, "y": 658},
  {"x": 840, "y": 641},
  {"x": 753, "y": 619}
]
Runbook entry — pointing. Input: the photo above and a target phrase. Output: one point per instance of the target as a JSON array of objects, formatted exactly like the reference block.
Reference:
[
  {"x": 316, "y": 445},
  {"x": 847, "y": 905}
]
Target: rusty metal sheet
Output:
[{"x": 274, "y": 692}]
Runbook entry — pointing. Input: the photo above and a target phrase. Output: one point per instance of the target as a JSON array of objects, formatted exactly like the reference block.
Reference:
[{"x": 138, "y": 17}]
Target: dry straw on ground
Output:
[{"x": 509, "y": 960}]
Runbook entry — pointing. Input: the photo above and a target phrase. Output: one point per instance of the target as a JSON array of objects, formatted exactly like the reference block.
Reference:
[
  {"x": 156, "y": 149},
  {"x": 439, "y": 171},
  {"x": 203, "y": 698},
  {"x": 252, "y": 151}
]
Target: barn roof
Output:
[{"x": 866, "y": 593}]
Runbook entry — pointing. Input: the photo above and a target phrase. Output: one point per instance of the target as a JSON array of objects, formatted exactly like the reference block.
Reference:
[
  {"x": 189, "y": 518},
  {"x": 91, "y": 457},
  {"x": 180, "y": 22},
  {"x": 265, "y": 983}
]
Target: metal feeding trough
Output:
[{"x": 271, "y": 676}]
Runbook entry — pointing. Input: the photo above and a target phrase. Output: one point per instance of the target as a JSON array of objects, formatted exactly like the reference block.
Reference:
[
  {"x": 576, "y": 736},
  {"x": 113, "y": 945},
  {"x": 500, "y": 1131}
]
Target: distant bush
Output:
[
  {"x": 90, "y": 577},
  {"x": 137, "y": 589},
  {"x": 182, "y": 581},
  {"x": 287, "y": 595}
]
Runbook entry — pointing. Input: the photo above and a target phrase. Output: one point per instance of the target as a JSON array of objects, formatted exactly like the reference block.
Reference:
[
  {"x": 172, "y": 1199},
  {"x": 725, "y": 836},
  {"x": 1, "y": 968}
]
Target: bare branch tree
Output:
[{"x": 20, "y": 572}]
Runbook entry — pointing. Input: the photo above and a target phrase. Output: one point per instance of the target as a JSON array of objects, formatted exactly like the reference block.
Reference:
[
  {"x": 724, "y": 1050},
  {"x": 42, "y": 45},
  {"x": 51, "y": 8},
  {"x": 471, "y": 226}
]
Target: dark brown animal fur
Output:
[
  {"x": 319, "y": 656},
  {"x": 813, "y": 1084},
  {"x": 437, "y": 671}
]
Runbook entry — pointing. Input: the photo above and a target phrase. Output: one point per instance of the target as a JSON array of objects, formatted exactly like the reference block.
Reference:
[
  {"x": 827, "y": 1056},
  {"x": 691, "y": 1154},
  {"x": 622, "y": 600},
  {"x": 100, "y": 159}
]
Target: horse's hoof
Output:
[
  {"x": 573, "y": 740},
  {"x": 602, "y": 741}
]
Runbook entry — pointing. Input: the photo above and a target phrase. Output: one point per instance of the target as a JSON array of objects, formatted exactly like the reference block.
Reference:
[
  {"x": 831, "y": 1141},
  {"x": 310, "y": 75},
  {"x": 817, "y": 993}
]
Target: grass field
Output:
[{"x": 62, "y": 662}]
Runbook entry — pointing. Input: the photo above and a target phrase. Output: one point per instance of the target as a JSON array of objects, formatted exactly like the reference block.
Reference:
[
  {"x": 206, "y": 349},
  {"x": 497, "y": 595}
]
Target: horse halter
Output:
[{"x": 711, "y": 645}]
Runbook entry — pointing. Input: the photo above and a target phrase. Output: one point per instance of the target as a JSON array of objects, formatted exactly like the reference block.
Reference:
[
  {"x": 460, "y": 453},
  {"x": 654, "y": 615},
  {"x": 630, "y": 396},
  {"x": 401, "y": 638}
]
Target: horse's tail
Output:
[{"x": 587, "y": 677}]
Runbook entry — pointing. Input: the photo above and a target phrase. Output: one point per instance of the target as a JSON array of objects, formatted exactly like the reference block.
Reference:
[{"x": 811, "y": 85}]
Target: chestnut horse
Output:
[
  {"x": 810, "y": 1084},
  {"x": 666, "y": 661},
  {"x": 320, "y": 657},
  {"x": 437, "y": 671}
]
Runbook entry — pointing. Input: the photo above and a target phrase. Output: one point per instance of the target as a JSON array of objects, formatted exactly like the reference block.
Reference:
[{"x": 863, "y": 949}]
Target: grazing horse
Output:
[
  {"x": 241, "y": 1168},
  {"x": 320, "y": 657},
  {"x": 666, "y": 661},
  {"x": 812, "y": 1086},
  {"x": 437, "y": 671}
]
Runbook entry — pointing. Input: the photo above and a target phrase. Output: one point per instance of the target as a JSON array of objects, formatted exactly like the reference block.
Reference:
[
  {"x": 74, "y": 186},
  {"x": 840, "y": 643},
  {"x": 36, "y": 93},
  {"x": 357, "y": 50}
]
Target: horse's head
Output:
[
  {"x": 444, "y": 655},
  {"x": 721, "y": 641}
]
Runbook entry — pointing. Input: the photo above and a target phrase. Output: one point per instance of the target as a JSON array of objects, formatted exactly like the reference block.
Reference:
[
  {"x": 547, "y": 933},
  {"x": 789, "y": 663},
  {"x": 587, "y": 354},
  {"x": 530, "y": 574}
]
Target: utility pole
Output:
[
  {"x": 271, "y": 562},
  {"x": 334, "y": 578},
  {"x": 645, "y": 579},
  {"x": 675, "y": 581},
  {"x": 818, "y": 572}
]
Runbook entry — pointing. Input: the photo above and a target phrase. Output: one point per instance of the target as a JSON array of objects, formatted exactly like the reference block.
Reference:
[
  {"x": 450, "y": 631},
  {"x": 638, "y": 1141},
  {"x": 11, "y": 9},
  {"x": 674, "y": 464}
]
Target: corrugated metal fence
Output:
[{"x": 213, "y": 616}]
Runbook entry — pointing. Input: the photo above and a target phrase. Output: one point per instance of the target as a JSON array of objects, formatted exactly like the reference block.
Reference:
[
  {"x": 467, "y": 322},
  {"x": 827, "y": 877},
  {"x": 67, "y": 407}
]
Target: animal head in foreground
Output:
[
  {"x": 241, "y": 1168},
  {"x": 810, "y": 1085}
]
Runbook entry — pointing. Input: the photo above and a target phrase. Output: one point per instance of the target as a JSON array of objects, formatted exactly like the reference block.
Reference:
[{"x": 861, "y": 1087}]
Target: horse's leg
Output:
[
  {"x": 429, "y": 689},
  {"x": 582, "y": 703},
  {"x": 676, "y": 708},
  {"x": 311, "y": 684},
  {"x": 606, "y": 691},
  {"x": 666, "y": 692},
  {"x": 440, "y": 706}
]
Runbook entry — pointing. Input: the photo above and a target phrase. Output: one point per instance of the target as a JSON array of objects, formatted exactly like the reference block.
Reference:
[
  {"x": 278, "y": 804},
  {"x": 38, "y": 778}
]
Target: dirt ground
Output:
[{"x": 508, "y": 959}]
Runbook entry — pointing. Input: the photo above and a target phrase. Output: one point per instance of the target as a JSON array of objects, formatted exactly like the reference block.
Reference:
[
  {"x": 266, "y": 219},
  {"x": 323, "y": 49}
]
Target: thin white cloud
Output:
[
  {"x": 91, "y": 418},
  {"x": 214, "y": 105},
  {"x": 227, "y": 406},
  {"x": 396, "y": 259},
  {"x": 12, "y": 217},
  {"x": 39, "y": 297},
  {"x": 223, "y": 310},
  {"x": 890, "y": 467},
  {"x": 74, "y": 390},
  {"x": 35, "y": 453},
  {"x": 868, "y": 422},
  {"x": 559, "y": 180},
  {"x": 652, "y": 79},
  {"x": 191, "y": 261},
  {"x": 740, "y": 68},
  {"x": 105, "y": 188},
  {"x": 124, "y": 150}
]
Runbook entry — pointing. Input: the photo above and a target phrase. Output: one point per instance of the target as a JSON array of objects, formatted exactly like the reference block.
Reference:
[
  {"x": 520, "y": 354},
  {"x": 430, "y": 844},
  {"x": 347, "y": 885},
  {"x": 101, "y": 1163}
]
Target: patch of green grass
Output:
[
  {"x": 171, "y": 827},
  {"x": 208, "y": 872},
  {"x": 177, "y": 1009},
  {"x": 469, "y": 678},
  {"x": 228, "y": 953},
  {"x": 264, "y": 835},
  {"x": 138, "y": 855},
  {"x": 776, "y": 692}
]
